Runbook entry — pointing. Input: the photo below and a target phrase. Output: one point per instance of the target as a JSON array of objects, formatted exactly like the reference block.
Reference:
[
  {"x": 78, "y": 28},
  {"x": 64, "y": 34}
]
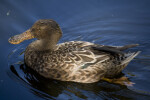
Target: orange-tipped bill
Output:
[{"x": 21, "y": 37}]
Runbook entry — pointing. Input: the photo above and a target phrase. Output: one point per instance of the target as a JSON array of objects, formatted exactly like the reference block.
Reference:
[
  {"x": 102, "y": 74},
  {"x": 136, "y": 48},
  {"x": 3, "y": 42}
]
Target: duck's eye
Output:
[{"x": 33, "y": 29}]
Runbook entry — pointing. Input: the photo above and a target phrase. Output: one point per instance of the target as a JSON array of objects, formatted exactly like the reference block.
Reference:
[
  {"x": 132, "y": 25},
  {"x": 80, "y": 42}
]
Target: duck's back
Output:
[{"x": 77, "y": 61}]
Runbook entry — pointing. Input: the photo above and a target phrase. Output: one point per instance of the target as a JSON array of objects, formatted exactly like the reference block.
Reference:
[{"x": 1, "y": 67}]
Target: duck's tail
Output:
[
  {"x": 129, "y": 57},
  {"x": 127, "y": 47}
]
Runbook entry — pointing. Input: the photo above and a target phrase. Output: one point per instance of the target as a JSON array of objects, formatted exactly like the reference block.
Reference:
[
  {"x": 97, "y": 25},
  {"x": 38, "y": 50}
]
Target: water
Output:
[{"x": 107, "y": 22}]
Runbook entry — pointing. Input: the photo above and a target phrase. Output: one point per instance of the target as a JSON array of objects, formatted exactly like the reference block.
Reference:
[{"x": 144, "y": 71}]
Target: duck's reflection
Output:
[{"x": 53, "y": 89}]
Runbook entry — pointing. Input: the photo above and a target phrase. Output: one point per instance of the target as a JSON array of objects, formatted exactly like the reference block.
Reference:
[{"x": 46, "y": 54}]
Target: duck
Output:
[{"x": 75, "y": 61}]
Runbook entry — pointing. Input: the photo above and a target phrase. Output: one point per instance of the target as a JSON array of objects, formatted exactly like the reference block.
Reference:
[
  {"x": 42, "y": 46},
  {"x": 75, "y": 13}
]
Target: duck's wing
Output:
[{"x": 84, "y": 54}]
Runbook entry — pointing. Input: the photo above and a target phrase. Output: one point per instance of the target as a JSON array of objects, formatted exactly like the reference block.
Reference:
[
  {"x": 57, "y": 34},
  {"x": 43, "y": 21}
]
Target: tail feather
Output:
[
  {"x": 129, "y": 57},
  {"x": 128, "y": 46}
]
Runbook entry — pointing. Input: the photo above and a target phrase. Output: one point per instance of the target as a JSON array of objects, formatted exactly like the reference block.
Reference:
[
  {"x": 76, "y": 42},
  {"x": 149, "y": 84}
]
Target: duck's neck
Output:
[{"x": 44, "y": 44}]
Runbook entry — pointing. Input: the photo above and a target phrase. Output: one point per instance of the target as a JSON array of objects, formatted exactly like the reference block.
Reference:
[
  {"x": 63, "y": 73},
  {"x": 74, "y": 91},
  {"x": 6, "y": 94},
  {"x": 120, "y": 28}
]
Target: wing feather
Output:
[{"x": 85, "y": 54}]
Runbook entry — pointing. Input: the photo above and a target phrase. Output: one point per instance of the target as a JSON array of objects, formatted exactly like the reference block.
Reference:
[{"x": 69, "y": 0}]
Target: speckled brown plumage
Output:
[{"x": 76, "y": 61}]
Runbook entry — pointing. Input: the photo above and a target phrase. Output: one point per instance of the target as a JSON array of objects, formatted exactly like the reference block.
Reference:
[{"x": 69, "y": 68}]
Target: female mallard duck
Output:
[{"x": 76, "y": 61}]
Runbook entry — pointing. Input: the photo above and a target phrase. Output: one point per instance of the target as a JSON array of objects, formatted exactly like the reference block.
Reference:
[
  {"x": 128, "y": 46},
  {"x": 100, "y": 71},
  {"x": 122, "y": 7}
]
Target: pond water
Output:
[{"x": 106, "y": 22}]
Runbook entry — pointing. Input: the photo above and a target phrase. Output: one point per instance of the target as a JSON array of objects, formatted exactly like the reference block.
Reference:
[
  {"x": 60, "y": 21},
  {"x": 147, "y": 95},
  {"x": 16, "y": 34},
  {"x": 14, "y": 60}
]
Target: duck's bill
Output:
[{"x": 21, "y": 37}]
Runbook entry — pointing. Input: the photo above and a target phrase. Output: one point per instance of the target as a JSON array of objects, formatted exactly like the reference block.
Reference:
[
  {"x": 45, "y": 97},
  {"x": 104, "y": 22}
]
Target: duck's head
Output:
[{"x": 43, "y": 29}]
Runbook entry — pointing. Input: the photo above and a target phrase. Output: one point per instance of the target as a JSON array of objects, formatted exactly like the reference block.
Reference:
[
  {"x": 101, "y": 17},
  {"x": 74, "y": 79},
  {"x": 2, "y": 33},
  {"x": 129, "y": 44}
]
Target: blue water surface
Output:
[{"x": 107, "y": 22}]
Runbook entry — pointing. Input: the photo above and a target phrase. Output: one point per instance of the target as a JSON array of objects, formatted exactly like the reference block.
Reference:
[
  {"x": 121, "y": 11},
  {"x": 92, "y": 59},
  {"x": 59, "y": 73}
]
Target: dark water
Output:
[{"x": 107, "y": 22}]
